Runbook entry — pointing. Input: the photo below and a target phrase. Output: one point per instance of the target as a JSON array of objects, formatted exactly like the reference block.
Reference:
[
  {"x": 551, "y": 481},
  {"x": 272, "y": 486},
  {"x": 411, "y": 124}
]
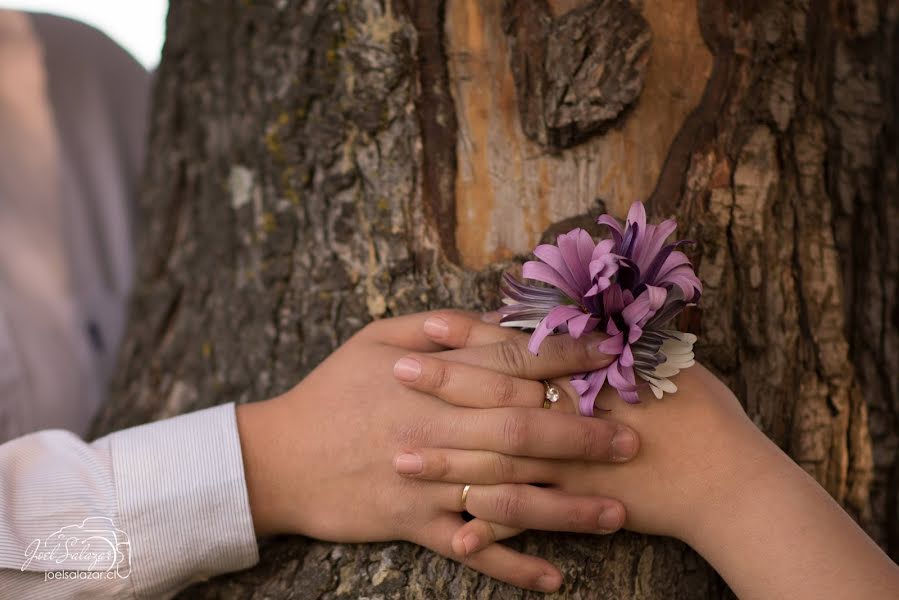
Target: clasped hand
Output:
[
  {"x": 322, "y": 460},
  {"x": 379, "y": 441}
]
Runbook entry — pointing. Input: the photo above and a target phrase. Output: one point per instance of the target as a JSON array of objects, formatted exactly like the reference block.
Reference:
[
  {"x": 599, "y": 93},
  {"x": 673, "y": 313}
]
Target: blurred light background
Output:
[{"x": 136, "y": 25}]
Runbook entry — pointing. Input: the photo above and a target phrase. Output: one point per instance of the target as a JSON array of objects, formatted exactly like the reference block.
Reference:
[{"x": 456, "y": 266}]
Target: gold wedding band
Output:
[
  {"x": 465, "y": 496},
  {"x": 551, "y": 394}
]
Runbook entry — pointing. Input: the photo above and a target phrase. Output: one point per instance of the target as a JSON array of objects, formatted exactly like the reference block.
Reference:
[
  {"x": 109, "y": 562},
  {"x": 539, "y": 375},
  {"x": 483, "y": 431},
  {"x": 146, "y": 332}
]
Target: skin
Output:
[
  {"x": 319, "y": 459},
  {"x": 705, "y": 475}
]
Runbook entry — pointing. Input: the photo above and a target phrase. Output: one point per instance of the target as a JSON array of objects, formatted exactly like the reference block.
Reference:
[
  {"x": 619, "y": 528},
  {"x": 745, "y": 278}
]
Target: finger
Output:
[
  {"x": 457, "y": 329},
  {"x": 466, "y": 385},
  {"x": 534, "y": 432},
  {"x": 559, "y": 355},
  {"x": 531, "y": 507},
  {"x": 474, "y": 466},
  {"x": 407, "y": 331},
  {"x": 497, "y": 561},
  {"x": 478, "y": 534}
]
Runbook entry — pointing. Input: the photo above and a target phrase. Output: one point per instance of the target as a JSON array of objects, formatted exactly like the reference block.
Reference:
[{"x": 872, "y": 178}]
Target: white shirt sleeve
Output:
[{"x": 140, "y": 513}]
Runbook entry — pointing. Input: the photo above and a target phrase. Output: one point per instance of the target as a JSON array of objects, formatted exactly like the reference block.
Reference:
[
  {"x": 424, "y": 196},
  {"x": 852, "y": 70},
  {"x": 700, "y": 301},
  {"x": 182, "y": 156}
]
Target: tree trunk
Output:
[{"x": 318, "y": 164}]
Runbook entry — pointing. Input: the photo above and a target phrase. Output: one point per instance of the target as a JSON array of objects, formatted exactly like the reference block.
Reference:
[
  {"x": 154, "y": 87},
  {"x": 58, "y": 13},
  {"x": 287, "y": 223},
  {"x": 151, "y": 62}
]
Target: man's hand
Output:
[{"x": 319, "y": 458}]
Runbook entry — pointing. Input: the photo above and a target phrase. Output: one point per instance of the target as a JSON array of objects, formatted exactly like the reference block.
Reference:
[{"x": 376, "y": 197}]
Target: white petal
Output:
[
  {"x": 679, "y": 361},
  {"x": 665, "y": 370},
  {"x": 664, "y": 384},
  {"x": 688, "y": 338},
  {"x": 526, "y": 324},
  {"x": 670, "y": 347}
]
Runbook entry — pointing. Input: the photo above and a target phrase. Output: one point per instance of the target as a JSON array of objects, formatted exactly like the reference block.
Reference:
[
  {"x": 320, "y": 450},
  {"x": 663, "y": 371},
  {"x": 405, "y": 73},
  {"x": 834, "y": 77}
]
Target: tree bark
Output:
[{"x": 318, "y": 164}]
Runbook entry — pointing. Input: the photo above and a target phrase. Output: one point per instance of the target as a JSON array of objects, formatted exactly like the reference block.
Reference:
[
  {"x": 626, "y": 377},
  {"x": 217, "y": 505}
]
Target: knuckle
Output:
[
  {"x": 402, "y": 514},
  {"x": 579, "y": 517},
  {"x": 574, "y": 352},
  {"x": 510, "y": 356},
  {"x": 440, "y": 376},
  {"x": 559, "y": 350},
  {"x": 458, "y": 324},
  {"x": 459, "y": 329},
  {"x": 565, "y": 350},
  {"x": 584, "y": 357},
  {"x": 504, "y": 391},
  {"x": 503, "y": 468},
  {"x": 486, "y": 533},
  {"x": 594, "y": 441},
  {"x": 438, "y": 465},
  {"x": 516, "y": 433},
  {"x": 416, "y": 432},
  {"x": 509, "y": 504}
]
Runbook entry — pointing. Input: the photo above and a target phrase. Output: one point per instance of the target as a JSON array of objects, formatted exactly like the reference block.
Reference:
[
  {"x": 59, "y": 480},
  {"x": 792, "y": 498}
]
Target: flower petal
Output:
[
  {"x": 634, "y": 333},
  {"x": 581, "y": 323},
  {"x": 613, "y": 300},
  {"x": 627, "y": 357},
  {"x": 644, "y": 306},
  {"x": 684, "y": 337},
  {"x": 621, "y": 377},
  {"x": 588, "y": 388},
  {"x": 540, "y": 334},
  {"x": 523, "y": 324},
  {"x": 649, "y": 244},
  {"x": 576, "y": 248},
  {"x": 541, "y": 271},
  {"x": 529, "y": 294},
  {"x": 629, "y": 397},
  {"x": 685, "y": 278},
  {"x": 612, "y": 328},
  {"x": 631, "y": 235},
  {"x": 556, "y": 317},
  {"x": 678, "y": 270},
  {"x": 637, "y": 214},
  {"x": 613, "y": 346},
  {"x": 614, "y": 227}
]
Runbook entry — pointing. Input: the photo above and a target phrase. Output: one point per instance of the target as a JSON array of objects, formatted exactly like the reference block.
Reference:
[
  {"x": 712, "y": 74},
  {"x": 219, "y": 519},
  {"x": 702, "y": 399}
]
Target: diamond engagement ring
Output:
[{"x": 552, "y": 394}]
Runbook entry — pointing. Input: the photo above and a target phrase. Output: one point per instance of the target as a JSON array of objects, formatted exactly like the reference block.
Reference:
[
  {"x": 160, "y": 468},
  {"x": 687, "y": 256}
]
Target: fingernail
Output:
[
  {"x": 610, "y": 519},
  {"x": 549, "y": 582},
  {"x": 624, "y": 444},
  {"x": 493, "y": 317},
  {"x": 407, "y": 464},
  {"x": 470, "y": 542},
  {"x": 407, "y": 369},
  {"x": 436, "y": 327}
]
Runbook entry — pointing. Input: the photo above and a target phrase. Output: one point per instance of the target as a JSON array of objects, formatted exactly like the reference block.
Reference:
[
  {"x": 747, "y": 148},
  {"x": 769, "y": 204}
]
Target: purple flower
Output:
[
  {"x": 579, "y": 269},
  {"x": 628, "y": 286},
  {"x": 646, "y": 259}
]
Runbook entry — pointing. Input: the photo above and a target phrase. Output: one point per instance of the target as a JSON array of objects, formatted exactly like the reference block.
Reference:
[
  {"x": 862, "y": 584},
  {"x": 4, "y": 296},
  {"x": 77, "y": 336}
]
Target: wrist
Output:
[
  {"x": 780, "y": 534},
  {"x": 744, "y": 464},
  {"x": 258, "y": 444}
]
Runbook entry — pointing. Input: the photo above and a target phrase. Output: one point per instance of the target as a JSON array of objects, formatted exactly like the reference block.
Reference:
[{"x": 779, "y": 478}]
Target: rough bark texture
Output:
[
  {"x": 577, "y": 73},
  {"x": 318, "y": 164}
]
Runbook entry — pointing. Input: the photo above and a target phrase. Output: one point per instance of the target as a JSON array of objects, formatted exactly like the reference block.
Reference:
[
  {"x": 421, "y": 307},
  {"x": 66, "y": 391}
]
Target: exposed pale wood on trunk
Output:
[{"x": 508, "y": 188}]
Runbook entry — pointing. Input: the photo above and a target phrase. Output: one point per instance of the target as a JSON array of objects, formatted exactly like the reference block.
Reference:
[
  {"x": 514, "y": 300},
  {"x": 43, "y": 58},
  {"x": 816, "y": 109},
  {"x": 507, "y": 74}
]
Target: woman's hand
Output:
[
  {"x": 660, "y": 488},
  {"x": 705, "y": 474},
  {"x": 319, "y": 458}
]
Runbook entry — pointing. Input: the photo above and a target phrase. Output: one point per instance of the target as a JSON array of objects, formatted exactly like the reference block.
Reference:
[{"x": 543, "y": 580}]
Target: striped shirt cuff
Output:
[{"x": 183, "y": 500}]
